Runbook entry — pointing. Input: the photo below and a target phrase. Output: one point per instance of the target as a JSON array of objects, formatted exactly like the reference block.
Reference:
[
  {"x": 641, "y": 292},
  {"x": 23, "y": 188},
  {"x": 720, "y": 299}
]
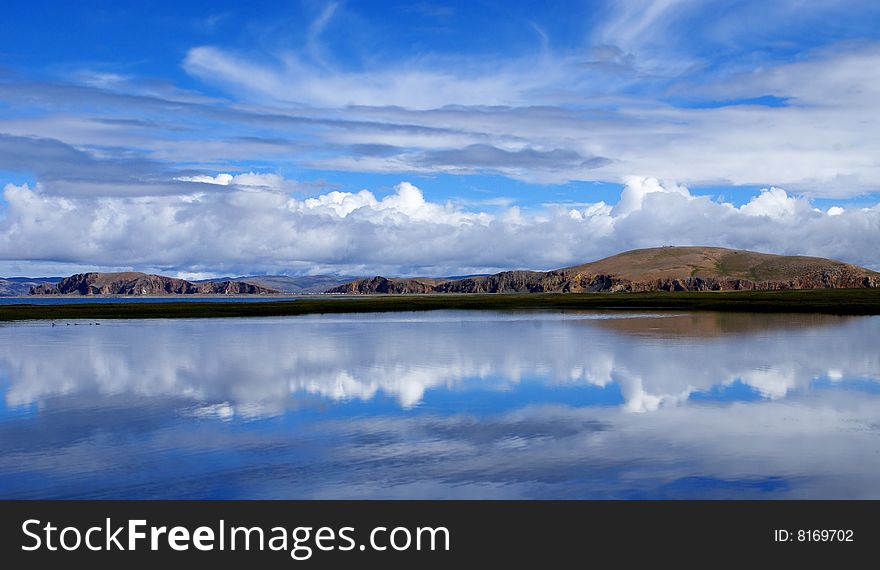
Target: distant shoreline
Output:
[
  {"x": 157, "y": 296},
  {"x": 827, "y": 301}
]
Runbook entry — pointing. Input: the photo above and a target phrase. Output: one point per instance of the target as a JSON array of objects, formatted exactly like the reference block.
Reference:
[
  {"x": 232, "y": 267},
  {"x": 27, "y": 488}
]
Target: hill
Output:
[{"x": 657, "y": 269}]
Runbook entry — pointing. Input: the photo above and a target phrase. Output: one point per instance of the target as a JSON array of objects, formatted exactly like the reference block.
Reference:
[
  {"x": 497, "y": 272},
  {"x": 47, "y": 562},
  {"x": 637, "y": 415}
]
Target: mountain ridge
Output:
[
  {"x": 669, "y": 268},
  {"x": 137, "y": 283}
]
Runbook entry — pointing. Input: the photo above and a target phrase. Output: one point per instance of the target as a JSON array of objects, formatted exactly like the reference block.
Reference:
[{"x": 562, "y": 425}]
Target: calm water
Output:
[{"x": 443, "y": 404}]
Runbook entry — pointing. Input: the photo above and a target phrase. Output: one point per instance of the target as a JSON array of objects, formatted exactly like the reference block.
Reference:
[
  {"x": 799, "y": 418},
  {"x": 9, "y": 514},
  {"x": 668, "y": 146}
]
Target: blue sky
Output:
[{"x": 201, "y": 138}]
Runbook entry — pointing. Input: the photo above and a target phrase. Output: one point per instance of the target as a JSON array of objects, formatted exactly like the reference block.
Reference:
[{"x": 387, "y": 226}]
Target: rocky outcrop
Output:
[
  {"x": 657, "y": 269},
  {"x": 133, "y": 283},
  {"x": 43, "y": 289},
  {"x": 233, "y": 288}
]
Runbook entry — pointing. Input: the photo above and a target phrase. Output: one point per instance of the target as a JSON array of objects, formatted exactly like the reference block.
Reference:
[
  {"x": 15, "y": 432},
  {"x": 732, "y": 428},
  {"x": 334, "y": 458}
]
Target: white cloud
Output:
[
  {"x": 775, "y": 203},
  {"x": 222, "y": 179},
  {"x": 254, "y": 227},
  {"x": 342, "y": 203},
  {"x": 267, "y": 181},
  {"x": 636, "y": 188}
]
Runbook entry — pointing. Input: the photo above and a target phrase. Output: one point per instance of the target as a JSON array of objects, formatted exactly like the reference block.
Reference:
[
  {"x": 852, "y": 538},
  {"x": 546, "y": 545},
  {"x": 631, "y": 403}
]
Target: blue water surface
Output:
[{"x": 443, "y": 404}]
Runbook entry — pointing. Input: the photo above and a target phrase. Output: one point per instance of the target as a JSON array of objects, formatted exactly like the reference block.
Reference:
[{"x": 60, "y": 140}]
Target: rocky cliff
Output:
[
  {"x": 656, "y": 269},
  {"x": 133, "y": 283}
]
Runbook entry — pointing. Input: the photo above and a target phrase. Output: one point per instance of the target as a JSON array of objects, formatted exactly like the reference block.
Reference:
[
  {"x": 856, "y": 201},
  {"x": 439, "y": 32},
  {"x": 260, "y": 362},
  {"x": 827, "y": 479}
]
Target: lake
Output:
[{"x": 444, "y": 404}]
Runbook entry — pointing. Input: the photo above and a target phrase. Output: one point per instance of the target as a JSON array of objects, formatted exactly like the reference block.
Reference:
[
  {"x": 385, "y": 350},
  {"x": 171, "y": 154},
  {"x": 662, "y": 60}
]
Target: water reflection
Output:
[{"x": 443, "y": 404}]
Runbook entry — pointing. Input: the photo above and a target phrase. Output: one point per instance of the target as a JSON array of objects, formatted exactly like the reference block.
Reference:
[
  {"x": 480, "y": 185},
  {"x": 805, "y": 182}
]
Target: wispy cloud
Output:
[
  {"x": 314, "y": 47},
  {"x": 817, "y": 136}
]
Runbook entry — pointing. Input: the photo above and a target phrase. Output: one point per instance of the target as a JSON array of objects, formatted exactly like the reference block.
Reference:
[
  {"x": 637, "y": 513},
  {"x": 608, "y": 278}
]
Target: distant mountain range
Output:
[
  {"x": 302, "y": 285},
  {"x": 136, "y": 283},
  {"x": 12, "y": 286},
  {"x": 655, "y": 269}
]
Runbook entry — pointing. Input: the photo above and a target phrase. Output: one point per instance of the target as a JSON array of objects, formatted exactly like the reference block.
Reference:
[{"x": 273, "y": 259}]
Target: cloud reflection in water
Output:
[{"x": 485, "y": 404}]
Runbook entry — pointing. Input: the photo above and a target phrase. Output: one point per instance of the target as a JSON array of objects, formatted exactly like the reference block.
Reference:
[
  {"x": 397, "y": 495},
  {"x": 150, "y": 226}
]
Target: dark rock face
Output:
[
  {"x": 233, "y": 288},
  {"x": 43, "y": 289},
  {"x": 123, "y": 284},
  {"x": 131, "y": 283}
]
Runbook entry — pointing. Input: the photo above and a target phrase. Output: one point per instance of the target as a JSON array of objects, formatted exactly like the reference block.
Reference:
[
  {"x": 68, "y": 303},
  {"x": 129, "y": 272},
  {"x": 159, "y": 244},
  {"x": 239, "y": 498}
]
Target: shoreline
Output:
[
  {"x": 157, "y": 296},
  {"x": 827, "y": 301}
]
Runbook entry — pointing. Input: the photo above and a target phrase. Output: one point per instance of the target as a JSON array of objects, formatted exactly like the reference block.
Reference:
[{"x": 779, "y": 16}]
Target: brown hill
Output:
[
  {"x": 134, "y": 283},
  {"x": 655, "y": 269}
]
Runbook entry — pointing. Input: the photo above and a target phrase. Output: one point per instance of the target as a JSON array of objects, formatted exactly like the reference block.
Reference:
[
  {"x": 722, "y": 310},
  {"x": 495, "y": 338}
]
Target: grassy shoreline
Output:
[{"x": 828, "y": 301}]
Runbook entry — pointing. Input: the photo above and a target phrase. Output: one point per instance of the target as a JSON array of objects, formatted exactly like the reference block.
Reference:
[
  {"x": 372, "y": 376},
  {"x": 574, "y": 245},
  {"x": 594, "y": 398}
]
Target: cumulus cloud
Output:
[
  {"x": 635, "y": 190},
  {"x": 776, "y": 203},
  {"x": 251, "y": 227}
]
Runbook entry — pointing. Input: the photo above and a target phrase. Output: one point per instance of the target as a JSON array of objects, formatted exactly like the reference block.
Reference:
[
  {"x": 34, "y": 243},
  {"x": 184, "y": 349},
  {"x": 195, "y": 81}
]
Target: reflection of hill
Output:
[{"x": 709, "y": 325}]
